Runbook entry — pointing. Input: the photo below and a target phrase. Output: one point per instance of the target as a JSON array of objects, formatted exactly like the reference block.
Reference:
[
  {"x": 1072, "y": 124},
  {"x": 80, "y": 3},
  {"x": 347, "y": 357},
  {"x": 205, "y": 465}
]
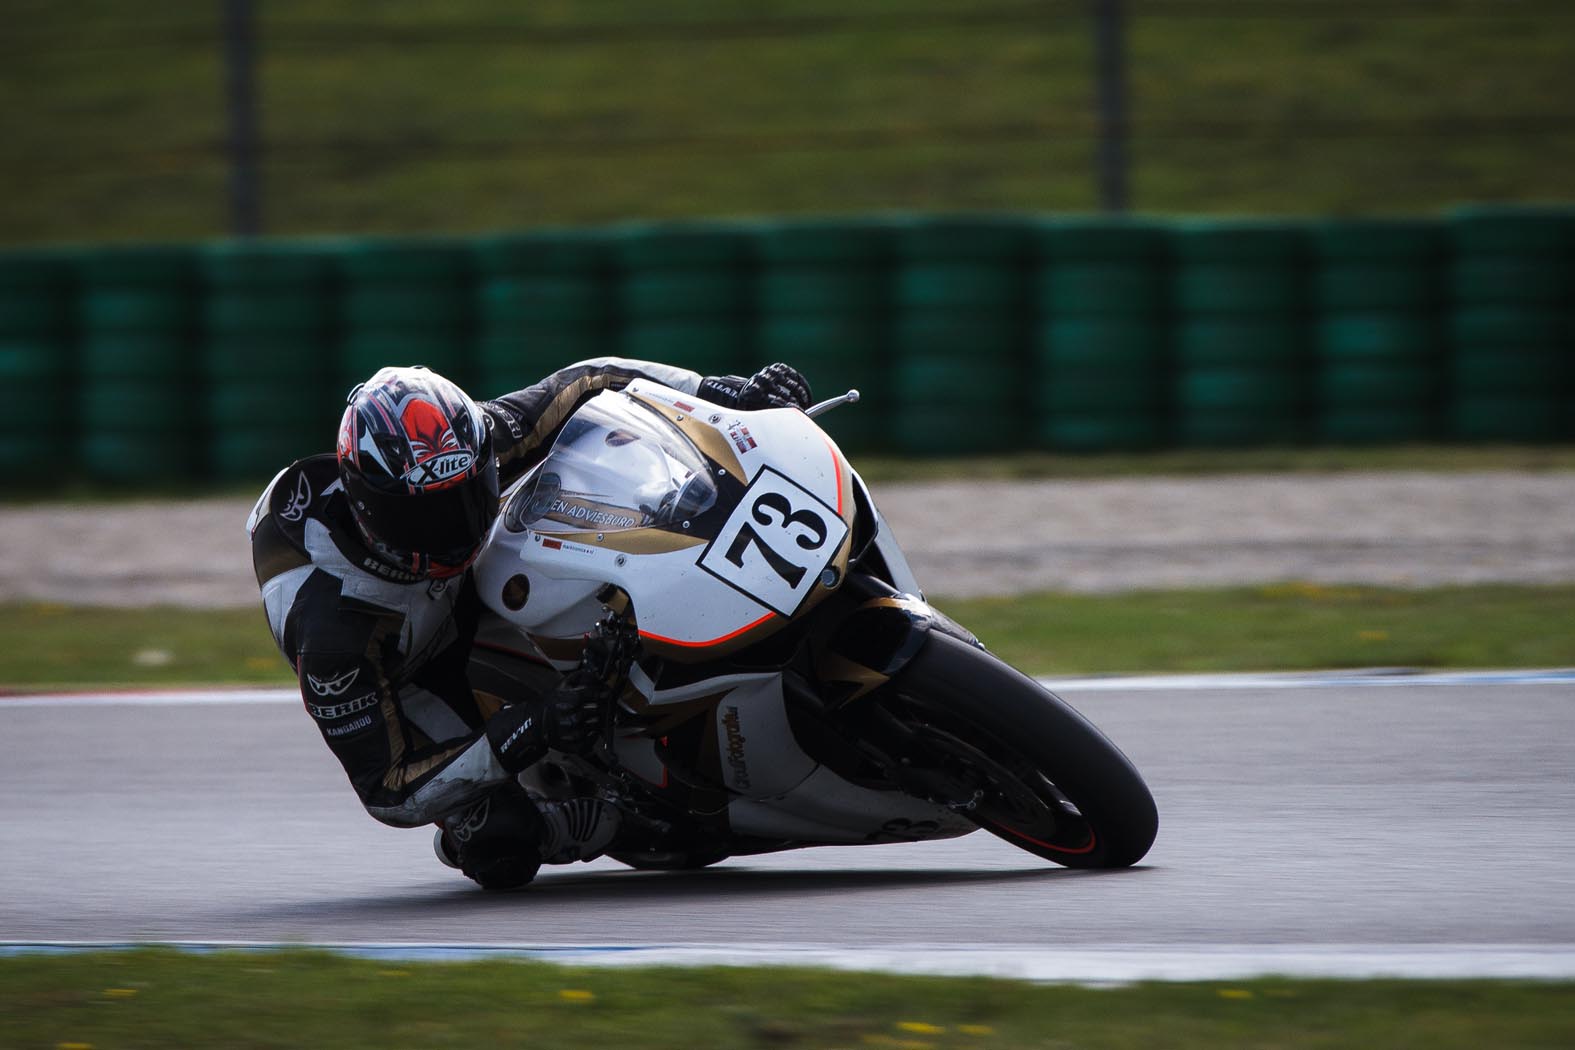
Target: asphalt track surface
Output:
[{"x": 1410, "y": 827}]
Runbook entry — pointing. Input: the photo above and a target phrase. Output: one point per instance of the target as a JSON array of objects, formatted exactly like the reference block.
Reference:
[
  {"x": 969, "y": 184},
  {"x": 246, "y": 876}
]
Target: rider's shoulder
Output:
[{"x": 298, "y": 492}]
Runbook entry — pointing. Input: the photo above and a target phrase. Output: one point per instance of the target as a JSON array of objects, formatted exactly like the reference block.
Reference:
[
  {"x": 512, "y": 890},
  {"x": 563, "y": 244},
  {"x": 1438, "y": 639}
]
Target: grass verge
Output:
[
  {"x": 1285, "y": 627},
  {"x": 300, "y": 998},
  {"x": 477, "y": 114}
]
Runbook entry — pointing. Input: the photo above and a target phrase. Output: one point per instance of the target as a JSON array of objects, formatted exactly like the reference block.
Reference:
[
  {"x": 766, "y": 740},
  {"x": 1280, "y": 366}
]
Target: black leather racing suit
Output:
[{"x": 381, "y": 656}]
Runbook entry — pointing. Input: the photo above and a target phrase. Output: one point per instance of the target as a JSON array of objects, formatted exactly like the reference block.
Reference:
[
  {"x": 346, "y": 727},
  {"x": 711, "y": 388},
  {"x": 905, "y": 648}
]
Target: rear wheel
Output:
[{"x": 1016, "y": 759}]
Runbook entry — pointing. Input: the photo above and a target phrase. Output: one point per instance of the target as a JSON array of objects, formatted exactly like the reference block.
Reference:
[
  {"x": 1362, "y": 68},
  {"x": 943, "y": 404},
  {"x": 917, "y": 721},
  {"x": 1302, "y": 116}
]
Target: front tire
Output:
[{"x": 1017, "y": 759}]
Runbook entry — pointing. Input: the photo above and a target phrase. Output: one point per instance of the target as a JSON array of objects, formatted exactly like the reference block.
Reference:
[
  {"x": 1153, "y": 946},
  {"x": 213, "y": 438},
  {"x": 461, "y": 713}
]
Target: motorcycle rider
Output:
[{"x": 362, "y": 557}]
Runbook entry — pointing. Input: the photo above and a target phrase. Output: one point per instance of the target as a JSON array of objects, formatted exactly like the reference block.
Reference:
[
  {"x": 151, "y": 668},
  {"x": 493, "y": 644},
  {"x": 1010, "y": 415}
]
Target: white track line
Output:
[
  {"x": 1095, "y": 966},
  {"x": 1101, "y": 683}
]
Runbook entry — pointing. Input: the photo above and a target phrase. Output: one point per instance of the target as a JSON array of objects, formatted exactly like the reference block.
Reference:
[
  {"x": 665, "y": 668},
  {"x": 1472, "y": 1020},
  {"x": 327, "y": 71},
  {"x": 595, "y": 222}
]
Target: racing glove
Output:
[
  {"x": 774, "y": 386},
  {"x": 567, "y": 719}
]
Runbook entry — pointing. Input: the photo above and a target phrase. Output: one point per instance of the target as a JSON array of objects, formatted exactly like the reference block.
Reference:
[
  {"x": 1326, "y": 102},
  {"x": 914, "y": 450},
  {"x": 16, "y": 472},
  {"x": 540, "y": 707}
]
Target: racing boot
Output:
[{"x": 577, "y": 829}]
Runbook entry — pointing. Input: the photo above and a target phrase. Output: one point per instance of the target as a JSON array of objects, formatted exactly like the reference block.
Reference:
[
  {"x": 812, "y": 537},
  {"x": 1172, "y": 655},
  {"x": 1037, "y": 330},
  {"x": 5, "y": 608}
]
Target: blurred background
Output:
[{"x": 1075, "y": 226}]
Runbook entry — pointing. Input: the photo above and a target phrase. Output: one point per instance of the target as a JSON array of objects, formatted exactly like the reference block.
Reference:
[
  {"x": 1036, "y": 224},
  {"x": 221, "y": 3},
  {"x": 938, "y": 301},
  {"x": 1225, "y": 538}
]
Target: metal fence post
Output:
[
  {"x": 1111, "y": 90},
  {"x": 241, "y": 100}
]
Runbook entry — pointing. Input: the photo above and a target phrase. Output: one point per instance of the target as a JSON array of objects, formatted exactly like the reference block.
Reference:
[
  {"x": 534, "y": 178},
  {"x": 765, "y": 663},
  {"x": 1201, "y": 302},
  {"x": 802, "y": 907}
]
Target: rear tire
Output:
[{"x": 1041, "y": 776}]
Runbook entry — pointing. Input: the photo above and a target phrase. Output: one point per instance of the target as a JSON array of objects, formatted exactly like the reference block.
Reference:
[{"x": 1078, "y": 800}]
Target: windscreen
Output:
[{"x": 616, "y": 465}]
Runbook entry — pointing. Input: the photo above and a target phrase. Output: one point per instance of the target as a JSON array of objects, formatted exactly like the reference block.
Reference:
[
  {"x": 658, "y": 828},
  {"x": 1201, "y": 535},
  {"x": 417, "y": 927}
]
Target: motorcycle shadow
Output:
[
  {"x": 567, "y": 890},
  {"x": 737, "y": 878},
  {"x": 737, "y": 881}
]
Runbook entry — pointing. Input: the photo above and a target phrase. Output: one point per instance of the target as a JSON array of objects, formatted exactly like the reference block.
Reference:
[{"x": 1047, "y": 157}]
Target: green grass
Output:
[
  {"x": 59, "y": 645},
  {"x": 480, "y": 114},
  {"x": 153, "y": 998},
  {"x": 1295, "y": 626},
  {"x": 1281, "y": 627}
]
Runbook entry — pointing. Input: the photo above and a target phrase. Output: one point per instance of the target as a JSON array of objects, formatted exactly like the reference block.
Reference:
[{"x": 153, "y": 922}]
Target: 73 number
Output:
[{"x": 814, "y": 539}]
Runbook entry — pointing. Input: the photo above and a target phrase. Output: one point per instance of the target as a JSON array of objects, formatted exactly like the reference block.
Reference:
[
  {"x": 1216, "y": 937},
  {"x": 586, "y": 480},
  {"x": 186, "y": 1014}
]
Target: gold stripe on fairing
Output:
[
  {"x": 711, "y": 442},
  {"x": 833, "y": 667}
]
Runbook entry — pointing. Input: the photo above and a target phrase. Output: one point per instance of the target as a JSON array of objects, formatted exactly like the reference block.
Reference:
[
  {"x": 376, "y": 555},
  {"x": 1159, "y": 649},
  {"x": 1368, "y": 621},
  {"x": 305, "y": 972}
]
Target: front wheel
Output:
[{"x": 1010, "y": 755}]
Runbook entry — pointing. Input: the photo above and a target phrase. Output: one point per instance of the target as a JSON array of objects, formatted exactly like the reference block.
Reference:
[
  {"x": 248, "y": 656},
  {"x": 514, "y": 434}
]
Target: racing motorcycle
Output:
[{"x": 782, "y": 681}]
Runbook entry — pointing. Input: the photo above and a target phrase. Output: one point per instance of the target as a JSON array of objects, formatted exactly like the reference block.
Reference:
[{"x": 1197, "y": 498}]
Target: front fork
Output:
[{"x": 871, "y": 643}]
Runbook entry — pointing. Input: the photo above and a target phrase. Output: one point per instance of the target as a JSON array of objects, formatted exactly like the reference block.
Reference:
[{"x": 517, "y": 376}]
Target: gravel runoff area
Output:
[{"x": 964, "y": 538}]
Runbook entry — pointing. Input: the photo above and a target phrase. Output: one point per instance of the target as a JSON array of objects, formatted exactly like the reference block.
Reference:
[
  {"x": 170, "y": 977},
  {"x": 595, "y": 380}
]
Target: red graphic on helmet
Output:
[{"x": 439, "y": 458}]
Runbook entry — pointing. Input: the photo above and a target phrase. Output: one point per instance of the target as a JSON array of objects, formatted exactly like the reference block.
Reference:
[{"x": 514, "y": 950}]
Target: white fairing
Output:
[
  {"x": 621, "y": 466},
  {"x": 618, "y": 466}
]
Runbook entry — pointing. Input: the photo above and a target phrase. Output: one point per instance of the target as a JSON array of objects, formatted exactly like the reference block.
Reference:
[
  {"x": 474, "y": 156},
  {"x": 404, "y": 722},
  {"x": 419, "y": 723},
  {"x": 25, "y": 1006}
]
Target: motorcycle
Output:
[{"x": 783, "y": 682}]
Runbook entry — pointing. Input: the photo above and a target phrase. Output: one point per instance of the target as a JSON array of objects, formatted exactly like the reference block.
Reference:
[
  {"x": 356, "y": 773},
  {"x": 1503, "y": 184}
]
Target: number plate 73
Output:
[{"x": 776, "y": 543}]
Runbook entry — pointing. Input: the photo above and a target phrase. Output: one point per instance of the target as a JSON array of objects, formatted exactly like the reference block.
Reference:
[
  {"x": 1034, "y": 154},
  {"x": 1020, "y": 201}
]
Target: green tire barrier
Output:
[
  {"x": 510, "y": 361},
  {"x": 1534, "y": 374},
  {"x": 545, "y": 301},
  {"x": 1392, "y": 336},
  {"x": 1511, "y": 281},
  {"x": 363, "y": 352},
  {"x": 822, "y": 298},
  {"x": 971, "y": 404},
  {"x": 974, "y": 334},
  {"x": 1119, "y": 344},
  {"x": 1059, "y": 241},
  {"x": 270, "y": 315},
  {"x": 1378, "y": 343},
  {"x": 1100, "y": 289},
  {"x": 684, "y": 295},
  {"x": 938, "y": 380},
  {"x": 528, "y": 302},
  {"x": 710, "y": 347},
  {"x": 1099, "y": 349},
  {"x": 395, "y": 291},
  {"x": 35, "y": 364},
  {"x": 1496, "y": 328},
  {"x": 1272, "y": 343},
  {"x": 1241, "y": 367},
  {"x": 1508, "y": 417},
  {"x": 826, "y": 290},
  {"x": 959, "y": 296},
  {"x": 1387, "y": 425},
  {"x": 1088, "y": 392},
  {"x": 945, "y": 429},
  {"x": 1370, "y": 286},
  {"x": 138, "y": 389},
  {"x": 1529, "y": 281},
  {"x": 148, "y": 355},
  {"x": 125, "y": 457},
  {"x": 1099, "y": 432},
  {"x": 1410, "y": 387}
]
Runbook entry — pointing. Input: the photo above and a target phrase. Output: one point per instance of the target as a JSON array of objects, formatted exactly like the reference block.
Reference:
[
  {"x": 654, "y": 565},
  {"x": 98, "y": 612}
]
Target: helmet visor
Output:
[{"x": 445, "y": 525}]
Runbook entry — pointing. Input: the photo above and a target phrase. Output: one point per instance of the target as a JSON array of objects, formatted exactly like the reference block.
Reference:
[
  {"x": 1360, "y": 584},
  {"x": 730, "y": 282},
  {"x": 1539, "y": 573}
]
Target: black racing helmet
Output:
[{"x": 416, "y": 458}]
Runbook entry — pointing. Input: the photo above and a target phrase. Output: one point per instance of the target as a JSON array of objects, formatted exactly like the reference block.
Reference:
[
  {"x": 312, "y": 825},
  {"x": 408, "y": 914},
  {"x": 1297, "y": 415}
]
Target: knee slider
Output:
[{"x": 498, "y": 839}]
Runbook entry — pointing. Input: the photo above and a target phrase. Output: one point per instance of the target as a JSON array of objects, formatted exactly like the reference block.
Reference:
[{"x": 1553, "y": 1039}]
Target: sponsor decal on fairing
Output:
[
  {"x": 591, "y": 516},
  {"x": 735, "y": 748}
]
